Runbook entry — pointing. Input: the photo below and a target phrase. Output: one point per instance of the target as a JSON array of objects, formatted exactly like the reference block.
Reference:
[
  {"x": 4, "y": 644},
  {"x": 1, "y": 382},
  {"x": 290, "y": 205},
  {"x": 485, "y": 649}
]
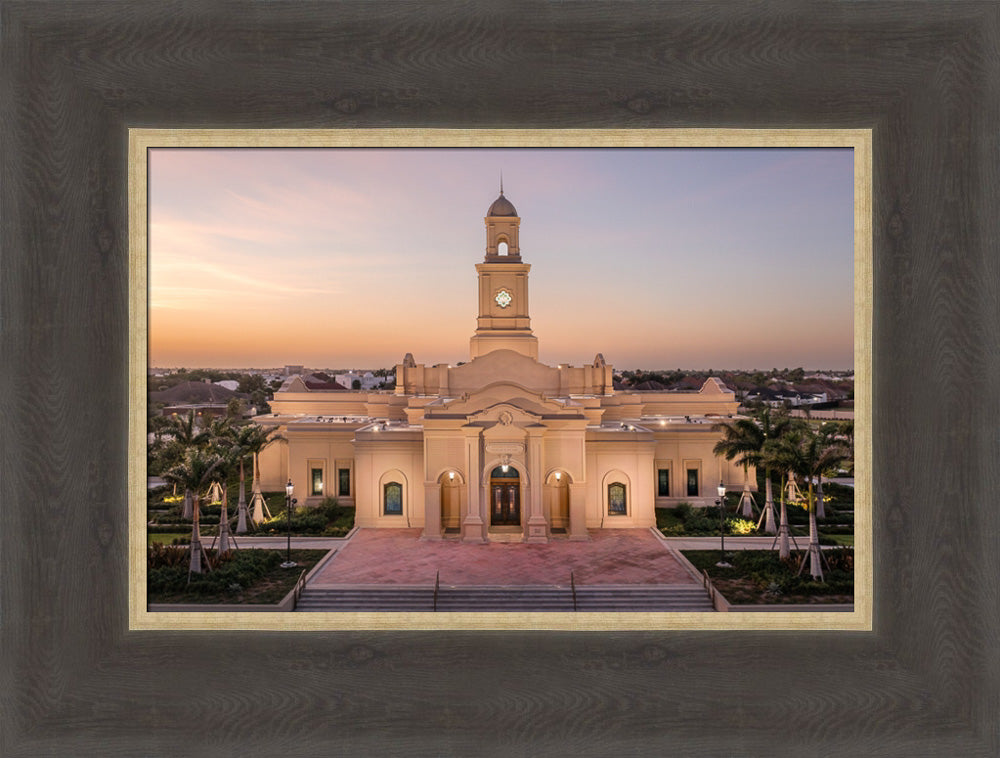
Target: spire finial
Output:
[{"x": 501, "y": 182}]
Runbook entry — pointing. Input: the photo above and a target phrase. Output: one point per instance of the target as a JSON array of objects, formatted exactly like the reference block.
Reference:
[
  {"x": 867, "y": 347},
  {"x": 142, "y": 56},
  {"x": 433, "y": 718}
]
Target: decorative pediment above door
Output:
[{"x": 505, "y": 416}]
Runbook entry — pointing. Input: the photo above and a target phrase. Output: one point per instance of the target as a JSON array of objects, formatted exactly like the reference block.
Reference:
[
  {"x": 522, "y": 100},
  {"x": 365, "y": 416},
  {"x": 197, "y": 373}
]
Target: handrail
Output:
[
  {"x": 297, "y": 590},
  {"x": 437, "y": 584},
  {"x": 719, "y": 601},
  {"x": 572, "y": 584}
]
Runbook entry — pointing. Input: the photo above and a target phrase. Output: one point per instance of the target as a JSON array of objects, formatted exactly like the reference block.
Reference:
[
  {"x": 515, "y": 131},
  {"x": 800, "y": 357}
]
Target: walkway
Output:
[
  {"x": 739, "y": 543},
  {"x": 400, "y": 557},
  {"x": 279, "y": 543}
]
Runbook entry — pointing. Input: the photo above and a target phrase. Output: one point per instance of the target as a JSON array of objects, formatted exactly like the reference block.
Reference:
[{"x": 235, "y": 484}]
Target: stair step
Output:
[{"x": 547, "y": 598}]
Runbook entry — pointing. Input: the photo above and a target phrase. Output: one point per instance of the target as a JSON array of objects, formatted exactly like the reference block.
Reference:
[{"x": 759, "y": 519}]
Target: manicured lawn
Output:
[
  {"x": 249, "y": 576},
  {"x": 168, "y": 537},
  {"x": 845, "y": 540},
  {"x": 759, "y": 576}
]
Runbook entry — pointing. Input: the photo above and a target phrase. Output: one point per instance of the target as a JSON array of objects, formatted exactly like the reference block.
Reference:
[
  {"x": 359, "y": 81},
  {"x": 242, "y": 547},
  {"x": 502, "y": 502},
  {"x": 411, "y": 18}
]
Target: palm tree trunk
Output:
[
  {"x": 224, "y": 546},
  {"x": 195, "y": 549},
  {"x": 746, "y": 499},
  {"x": 815, "y": 564},
  {"x": 241, "y": 524},
  {"x": 820, "y": 509},
  {"x": 783, "y": 550},
  {"x": 768, "y": 504},
  {"x": 186, "y": 511},
  {"x": 243, "y": 485}
]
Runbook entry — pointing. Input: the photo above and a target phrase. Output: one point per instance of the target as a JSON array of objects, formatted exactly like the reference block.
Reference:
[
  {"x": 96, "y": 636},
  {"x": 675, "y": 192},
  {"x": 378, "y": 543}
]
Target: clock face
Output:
[{"x": 503, "y": 298}]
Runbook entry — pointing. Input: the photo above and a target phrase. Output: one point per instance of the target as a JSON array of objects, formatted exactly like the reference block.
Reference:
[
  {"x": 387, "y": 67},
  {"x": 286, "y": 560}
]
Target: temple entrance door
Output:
[
  {"x": 505, "y": 497},
  {"x": 451, "y": 504}
]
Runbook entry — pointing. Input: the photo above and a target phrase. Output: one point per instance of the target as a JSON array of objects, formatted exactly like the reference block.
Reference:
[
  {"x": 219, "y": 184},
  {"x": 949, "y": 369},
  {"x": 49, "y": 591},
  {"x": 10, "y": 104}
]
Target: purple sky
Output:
[{"x": 352, "y": 257}]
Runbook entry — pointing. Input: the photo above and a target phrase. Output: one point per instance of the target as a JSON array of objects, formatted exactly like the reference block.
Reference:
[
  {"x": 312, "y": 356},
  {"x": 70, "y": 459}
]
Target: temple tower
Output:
[{"x": 503, "y": 323}]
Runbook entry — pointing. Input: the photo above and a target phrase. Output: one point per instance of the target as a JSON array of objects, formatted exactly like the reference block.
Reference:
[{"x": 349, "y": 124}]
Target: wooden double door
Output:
[{"x": 505, "y": 498}]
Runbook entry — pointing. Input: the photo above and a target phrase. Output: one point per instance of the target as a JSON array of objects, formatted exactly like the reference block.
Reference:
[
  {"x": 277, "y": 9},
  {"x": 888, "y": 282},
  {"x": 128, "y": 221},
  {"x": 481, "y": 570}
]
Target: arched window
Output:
[
  {"x": 502, "y": 247},
  {"x": 392, "y": 499},
  {"x": 616, "y": 499}
]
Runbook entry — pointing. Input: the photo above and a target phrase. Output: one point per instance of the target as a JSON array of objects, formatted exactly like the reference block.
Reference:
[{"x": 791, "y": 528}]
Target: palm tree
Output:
[
  {"x": 185, "y": 435},
  {"x": 248, "y": 441},
  {"x": 809, "y": 455},
  {"x": 263, "y": 438},
  {"x": 773, "y": 426},
  {"x": 222, "y": 435},
  {"x": 199, "y": 468},
  {"x": 779, "y": 455},
  {"x": 742, "y": 439},
  {"x": 835, "y": 433},
  {"x": 846, "y": 432},
  {"x": 828, "y": 434}
]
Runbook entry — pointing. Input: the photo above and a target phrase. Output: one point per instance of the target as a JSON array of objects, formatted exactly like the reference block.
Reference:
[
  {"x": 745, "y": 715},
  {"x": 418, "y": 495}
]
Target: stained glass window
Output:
[
  {"x": 316, "y": 481},
  {"x": 393, "y": 498},
  {"x": 616, "y": 499}
]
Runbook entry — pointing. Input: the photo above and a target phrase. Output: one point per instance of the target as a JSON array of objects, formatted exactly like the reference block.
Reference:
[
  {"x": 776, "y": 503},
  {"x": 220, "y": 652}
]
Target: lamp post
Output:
[
  {"x": 289, "y": 502},
  {"x": 721, "y": 502}
]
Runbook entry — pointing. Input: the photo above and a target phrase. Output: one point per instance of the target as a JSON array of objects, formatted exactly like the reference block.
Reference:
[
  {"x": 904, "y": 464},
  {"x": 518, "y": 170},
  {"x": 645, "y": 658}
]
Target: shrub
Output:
[
  {"x": 327, "y": 518},
  {"x": 166, "y": 528},
  {"x": 329, "y": 508},
  {"x": 166, "y": 555},
  {"x": 231, "y": 573},
  {"x": 706, "y": 521},
  {"x": 840, "y": 560},
  {"x": 302, "y": 523},
  {"x": 740, "y": 526}
]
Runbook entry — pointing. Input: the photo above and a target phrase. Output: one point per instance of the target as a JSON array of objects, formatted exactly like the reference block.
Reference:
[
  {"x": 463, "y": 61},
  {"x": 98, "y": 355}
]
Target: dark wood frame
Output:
[{"x": 73, "y": 76}]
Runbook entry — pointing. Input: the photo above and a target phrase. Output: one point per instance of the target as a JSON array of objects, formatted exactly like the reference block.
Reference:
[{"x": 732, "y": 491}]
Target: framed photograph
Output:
[
  {"x": 504, "y": 441},
  {"x": 80, "y": 679}
]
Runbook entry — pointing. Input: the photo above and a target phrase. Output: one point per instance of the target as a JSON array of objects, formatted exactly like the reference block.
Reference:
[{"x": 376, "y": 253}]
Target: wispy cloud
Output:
[{"x": 635, "y": 253}]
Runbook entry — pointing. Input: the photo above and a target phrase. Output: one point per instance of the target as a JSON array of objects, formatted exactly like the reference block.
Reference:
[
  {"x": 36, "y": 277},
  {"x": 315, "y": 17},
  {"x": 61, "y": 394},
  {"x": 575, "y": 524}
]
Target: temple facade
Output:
[{"x": 502, "y": 447}]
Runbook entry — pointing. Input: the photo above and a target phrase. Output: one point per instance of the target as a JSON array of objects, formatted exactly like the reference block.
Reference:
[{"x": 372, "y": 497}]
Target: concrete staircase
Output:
[
  {"x": 526, "y": 598},
  {"x": 643, "y": 597}
]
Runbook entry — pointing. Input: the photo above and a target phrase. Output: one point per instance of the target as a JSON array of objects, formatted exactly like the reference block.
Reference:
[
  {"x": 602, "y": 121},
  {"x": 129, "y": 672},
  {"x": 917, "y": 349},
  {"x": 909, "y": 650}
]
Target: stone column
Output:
[
  {"x": 537, "y": 528},
  {"x": 473, "y": 527},
  {"x": 578, "y": 511},
  {"x": 432, "y": 511}
]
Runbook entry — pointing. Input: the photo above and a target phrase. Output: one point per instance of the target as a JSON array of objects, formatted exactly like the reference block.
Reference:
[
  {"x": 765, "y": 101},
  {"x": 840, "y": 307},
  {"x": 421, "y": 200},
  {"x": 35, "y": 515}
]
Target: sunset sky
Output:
[{"x": 352, "y": 257}]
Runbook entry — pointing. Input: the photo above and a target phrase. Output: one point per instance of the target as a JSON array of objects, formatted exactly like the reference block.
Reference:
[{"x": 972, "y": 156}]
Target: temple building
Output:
[{"x": 502, "y": 447}]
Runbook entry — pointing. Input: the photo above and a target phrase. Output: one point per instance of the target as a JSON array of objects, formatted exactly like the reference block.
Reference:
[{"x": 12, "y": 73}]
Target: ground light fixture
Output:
[
  {"x": 721, "y": 502},
  {"x": 289, "y": 502}
]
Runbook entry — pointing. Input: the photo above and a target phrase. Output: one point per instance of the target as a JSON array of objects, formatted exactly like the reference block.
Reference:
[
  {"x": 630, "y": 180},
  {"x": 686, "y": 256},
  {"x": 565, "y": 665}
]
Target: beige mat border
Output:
[{"x": 141, "y": 139}]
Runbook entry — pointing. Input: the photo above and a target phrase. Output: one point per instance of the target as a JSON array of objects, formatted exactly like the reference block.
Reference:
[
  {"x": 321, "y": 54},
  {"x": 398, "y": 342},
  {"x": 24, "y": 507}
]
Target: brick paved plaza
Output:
[{"x": 400, "y": 557}]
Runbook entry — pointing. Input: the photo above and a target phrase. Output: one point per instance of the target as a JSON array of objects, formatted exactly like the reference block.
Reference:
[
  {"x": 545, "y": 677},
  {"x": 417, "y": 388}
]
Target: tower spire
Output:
[{"x": 501, "y": 181}]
